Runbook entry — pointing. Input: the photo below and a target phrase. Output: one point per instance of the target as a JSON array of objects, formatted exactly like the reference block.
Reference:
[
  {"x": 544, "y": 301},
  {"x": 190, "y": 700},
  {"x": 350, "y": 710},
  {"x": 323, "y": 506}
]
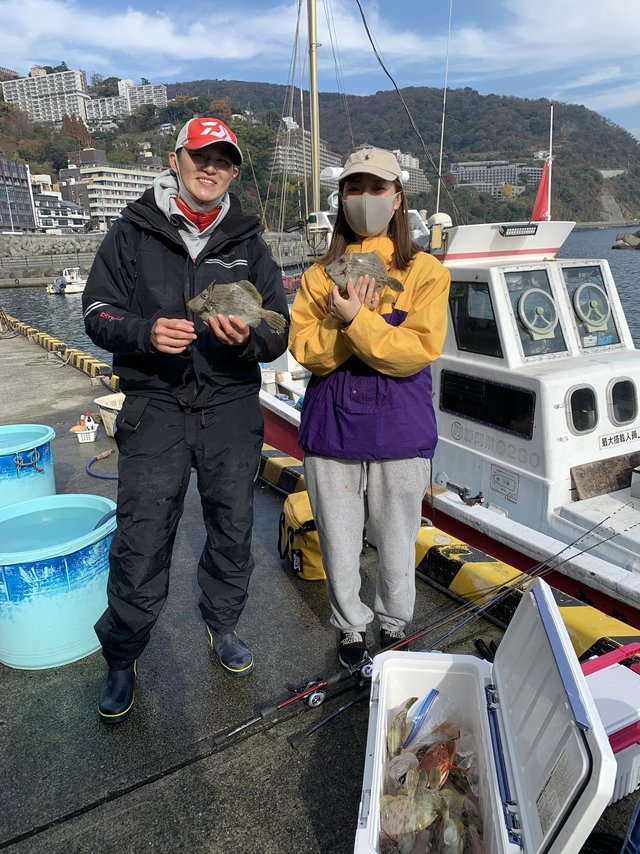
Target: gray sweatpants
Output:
[{"x": 385, "y": 496}]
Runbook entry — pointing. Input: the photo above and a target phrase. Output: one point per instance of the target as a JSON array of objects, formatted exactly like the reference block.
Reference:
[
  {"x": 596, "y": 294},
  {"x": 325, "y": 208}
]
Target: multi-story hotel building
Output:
[
  {"x": 48, "y": 97},
  {"x": 16, "y": 199},
  {"x": 292, "y": 155},
  {"x": 100, "y": 188},
  {"x": 418, "y": 181},
  {"x": 490, "y": 176}
]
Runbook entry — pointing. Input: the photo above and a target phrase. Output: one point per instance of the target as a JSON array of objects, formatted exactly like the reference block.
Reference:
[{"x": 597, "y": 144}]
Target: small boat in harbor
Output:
[
  {"x": 68, "y": 282},
  {"x": 537, "y": 403}
]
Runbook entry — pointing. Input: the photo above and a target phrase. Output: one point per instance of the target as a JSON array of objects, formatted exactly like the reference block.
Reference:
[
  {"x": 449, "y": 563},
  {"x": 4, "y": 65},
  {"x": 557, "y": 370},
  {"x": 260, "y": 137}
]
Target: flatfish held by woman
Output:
[
  {"x": 351, "y": 265},
  {"x": 241, "y": 299}
]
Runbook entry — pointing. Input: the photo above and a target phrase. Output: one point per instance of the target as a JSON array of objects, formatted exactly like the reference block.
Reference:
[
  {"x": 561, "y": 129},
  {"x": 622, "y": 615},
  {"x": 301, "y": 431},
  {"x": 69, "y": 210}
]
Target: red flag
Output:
[{"x": 541, "y": 210}]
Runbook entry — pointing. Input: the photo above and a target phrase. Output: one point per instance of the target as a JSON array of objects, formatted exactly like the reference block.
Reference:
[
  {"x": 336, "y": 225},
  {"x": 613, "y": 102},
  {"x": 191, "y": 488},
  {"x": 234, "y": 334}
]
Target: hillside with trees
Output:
[{"x": 478, "y": 127}]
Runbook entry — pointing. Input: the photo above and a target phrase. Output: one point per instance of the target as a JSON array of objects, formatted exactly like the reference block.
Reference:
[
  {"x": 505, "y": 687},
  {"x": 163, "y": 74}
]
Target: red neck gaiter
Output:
[{"x": 201, "y": 220}]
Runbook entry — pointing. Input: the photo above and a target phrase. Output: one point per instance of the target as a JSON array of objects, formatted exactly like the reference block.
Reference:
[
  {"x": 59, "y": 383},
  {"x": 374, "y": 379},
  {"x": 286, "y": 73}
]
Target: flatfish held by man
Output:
[{"x": 241, "y": 299}]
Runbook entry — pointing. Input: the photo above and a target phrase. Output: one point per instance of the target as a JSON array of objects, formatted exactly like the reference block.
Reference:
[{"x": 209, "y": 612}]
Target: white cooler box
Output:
[
  {"x": 546, "y": 768},
  {"x": 616, "y": 692}
]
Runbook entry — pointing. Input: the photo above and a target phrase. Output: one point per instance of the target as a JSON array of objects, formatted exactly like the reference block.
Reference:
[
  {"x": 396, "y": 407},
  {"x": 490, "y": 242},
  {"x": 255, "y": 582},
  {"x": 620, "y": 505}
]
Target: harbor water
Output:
[{"x": 61, "y": 316}]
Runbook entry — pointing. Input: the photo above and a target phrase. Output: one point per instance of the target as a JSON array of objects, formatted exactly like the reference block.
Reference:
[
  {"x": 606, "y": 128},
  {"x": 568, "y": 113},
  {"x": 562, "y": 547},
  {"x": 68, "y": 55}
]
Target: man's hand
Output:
[
  {"x": 172, "y": 335},
  {"x": 230, "y": 330},
  {"x": 345, "y": 308}
]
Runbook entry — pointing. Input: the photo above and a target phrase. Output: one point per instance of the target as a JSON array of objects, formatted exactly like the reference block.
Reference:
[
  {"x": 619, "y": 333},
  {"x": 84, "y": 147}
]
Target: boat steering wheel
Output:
[
  {"x": 537, "y": 311},
  {"x": 591, "y": 304}
]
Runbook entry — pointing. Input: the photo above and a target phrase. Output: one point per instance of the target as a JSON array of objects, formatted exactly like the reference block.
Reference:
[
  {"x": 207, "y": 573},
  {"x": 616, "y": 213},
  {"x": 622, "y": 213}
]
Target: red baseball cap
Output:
[{"x": 198, "y": 133}]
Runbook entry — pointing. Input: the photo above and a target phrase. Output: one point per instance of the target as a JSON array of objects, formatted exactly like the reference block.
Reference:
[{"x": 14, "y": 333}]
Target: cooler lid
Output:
[{"x": 555, "y": 757}]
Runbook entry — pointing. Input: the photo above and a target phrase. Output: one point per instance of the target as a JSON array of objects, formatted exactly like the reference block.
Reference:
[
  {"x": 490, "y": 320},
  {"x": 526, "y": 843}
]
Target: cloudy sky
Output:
[{"x": 577, "y": 51}]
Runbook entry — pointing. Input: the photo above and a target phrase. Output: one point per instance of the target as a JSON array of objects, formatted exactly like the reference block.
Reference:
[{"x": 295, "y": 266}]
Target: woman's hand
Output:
[
  {"x": 345, "y": 307},
  {"x": 172, "y": 335},
  {"x": 230, "y": 330}
]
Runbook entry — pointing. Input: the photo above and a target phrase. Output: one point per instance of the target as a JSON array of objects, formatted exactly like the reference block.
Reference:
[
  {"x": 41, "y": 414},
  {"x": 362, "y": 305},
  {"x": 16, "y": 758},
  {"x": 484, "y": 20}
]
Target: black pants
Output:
[{"x": 223, "y": 444}]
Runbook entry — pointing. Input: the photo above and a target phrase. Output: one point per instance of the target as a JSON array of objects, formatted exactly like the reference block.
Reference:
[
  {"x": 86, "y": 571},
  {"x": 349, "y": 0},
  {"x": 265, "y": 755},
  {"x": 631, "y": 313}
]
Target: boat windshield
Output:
[{"x": 473, "y": 318}]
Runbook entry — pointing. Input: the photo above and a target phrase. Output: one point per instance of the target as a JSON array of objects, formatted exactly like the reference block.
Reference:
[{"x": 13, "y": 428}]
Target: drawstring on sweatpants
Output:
[{"x": 364, "y": 472}]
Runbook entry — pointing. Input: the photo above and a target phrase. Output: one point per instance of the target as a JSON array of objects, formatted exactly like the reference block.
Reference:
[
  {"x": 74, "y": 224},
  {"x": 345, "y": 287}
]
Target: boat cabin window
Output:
[
  {"x": 495, "y": 404},
  {"x": 624, "y": 407},
  {"x": 583, "y": 410},
  {"x": 535, "y": 312},
  {"x": 473, "y": 319},
  {"x": 591, "y": 307}
]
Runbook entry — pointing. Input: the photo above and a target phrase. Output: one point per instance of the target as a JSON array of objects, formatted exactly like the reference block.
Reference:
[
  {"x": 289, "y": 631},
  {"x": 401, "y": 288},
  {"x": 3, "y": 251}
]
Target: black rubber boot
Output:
[
  {"x": 234, "y": 655},
  {"x": 116, "y": 694}
]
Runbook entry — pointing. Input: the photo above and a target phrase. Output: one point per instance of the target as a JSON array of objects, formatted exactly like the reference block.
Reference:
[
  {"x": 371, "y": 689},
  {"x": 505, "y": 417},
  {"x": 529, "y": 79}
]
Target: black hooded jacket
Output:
[{"x": 142, "y": 271}]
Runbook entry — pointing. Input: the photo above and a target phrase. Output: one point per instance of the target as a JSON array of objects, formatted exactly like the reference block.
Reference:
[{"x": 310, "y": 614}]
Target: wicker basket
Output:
[{"x": 109, "y": 406}]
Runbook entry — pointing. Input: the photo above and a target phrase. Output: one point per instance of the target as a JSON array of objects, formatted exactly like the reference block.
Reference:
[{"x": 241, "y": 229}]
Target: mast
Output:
[
  {"x": 550, "y": 163},
  {"x": 444, "y": 109},
  {"x": 313, "y": 106}
]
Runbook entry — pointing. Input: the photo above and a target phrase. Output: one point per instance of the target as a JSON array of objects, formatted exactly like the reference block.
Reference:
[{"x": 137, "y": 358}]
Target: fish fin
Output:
[
  {"x": 395, "y": 285},
  {"x": 195, "y": 304},
  {"x": 253, "y": 292},
  {"x": 276, "y": 321}
]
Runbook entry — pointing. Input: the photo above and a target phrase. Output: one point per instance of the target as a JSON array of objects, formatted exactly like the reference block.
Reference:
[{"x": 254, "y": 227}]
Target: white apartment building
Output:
[
  {"x": 104, "y": 190},
  {"x": 114, "y": 107},
  {"x": 127, "y": 101},
  {"x": 146, "y": 93},
  {"x": 55, "y": 215},
  {"x": 48, "y": 97},
  {"x": 490, "y": 176}
]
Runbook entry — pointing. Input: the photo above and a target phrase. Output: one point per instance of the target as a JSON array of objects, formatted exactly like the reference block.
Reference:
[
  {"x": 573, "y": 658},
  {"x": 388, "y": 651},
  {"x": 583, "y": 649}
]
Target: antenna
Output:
[{"x": 444, "y": 107}]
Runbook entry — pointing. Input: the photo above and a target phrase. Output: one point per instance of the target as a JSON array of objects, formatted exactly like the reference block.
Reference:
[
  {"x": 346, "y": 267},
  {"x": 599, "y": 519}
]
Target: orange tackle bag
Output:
[{"x": 298, "y": 541}]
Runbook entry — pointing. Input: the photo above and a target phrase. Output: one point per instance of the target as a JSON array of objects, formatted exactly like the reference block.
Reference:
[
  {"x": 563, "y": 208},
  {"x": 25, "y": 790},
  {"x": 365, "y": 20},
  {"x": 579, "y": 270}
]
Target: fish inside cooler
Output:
[{"x": 544, "y": 770}]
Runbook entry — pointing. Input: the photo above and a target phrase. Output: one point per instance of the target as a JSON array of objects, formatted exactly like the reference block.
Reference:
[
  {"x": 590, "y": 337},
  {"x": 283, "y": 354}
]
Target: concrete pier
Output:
[{"x": 160, "y": 782}]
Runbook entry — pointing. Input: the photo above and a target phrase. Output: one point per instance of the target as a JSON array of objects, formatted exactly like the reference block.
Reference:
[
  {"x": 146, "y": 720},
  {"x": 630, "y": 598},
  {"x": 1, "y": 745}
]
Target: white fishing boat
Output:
[
  {"x": 537, "y": 403},
  {"x": 70, "y": 281}
]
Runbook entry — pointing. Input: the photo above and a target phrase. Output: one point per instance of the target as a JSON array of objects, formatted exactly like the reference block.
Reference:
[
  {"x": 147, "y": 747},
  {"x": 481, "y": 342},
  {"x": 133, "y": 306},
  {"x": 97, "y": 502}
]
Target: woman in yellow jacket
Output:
[{"x": 368, "y": 425}]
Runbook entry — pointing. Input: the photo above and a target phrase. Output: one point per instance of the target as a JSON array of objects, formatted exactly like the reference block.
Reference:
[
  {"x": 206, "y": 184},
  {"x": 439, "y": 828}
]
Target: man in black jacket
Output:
[{"x": 191, "y": 396}]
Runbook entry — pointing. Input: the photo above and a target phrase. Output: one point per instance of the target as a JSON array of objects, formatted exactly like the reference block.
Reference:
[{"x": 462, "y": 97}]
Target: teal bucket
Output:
[
  {"x": 54, "y": 563},
  {"x": 26, "y": 463}
]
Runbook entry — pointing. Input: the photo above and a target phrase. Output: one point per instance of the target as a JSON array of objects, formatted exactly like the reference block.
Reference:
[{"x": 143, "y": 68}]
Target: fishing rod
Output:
[
  {"x": 471, "y": 612},
  {"x": 315, "y": 692}
]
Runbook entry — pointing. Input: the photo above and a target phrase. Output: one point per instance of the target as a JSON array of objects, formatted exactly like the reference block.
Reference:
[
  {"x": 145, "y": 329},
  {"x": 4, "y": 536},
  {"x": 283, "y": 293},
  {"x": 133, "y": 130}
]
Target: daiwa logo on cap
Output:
[{"x": 197, "y": 133}]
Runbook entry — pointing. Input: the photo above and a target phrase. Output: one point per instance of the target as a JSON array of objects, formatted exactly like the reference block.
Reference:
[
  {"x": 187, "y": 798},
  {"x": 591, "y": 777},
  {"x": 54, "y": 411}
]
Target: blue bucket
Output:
[
  {"x": 26, "y": 463},
  {"x": 54, "y": 562}
]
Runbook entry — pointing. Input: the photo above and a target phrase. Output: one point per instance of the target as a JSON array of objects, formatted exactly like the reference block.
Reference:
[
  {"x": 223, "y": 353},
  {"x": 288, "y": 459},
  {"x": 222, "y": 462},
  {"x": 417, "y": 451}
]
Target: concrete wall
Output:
[{"x": 38, "y": 256}]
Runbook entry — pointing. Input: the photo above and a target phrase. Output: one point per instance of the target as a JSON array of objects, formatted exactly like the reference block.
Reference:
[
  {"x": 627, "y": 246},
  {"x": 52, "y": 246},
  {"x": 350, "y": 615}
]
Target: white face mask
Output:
[{"x": 369, "y": 215}]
